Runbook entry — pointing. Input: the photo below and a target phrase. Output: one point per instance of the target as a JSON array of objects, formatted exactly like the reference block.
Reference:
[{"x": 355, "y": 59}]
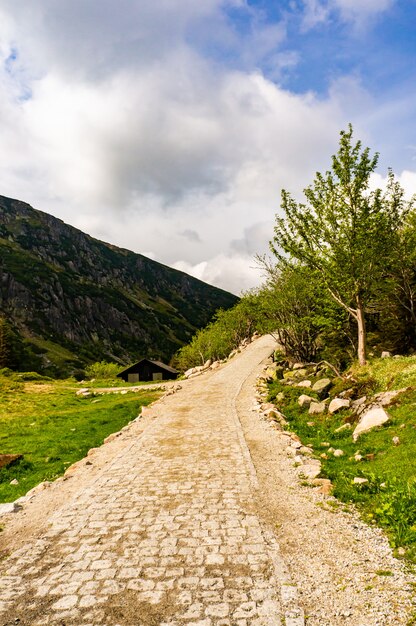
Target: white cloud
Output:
[{"x": 136, "y": 137}]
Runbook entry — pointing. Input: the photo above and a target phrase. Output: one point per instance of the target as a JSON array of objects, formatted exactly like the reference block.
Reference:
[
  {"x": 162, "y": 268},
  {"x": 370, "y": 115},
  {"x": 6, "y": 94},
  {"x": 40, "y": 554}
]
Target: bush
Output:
[{"x": 102, "y": 370}]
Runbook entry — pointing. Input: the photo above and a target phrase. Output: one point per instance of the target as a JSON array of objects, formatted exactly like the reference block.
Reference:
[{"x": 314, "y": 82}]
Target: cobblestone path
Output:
[{"x": 168, "y": 534}]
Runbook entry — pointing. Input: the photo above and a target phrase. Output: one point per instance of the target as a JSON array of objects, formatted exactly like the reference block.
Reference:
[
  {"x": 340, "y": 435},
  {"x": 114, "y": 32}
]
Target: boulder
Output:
[
  {"x": 385, "y": 398},
  {"x": 337, "y": 404},
  {"x": 304, "y": 401},
  {"x": 304, "y": 383},
  {"x": 372, "y": 418},
  {"x": 9, "y": 459},
  {"x": 316, "y": 408},
  {"x": 322, "y": 386}
]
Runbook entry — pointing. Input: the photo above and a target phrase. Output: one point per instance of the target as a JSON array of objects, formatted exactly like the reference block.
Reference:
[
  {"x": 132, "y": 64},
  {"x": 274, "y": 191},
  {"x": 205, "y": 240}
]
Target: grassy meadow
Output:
[
  {"x": 389, "y": 497},
  {"x": 53, "y": 427}
]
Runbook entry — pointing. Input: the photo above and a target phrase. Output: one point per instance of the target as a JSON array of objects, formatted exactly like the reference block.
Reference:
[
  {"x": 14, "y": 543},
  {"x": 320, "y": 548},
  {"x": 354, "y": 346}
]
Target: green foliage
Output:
[
  {"x": 102, "y": 370},
  {"x": 344, "y": 231},
  {"x": 223, "y": 335},
  {"x": 298, "y": 309},
  {"x": 389, "y": 497},
  {"x": 53, "y": 428}
]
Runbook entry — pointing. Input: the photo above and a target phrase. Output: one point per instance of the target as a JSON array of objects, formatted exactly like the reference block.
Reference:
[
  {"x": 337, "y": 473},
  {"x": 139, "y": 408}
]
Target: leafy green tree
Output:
[{"x": 343, "y": 230}]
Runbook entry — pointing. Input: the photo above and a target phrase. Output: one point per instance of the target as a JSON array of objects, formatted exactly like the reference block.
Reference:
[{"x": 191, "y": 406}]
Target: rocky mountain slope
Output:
[{"x": 76, "y": 299}]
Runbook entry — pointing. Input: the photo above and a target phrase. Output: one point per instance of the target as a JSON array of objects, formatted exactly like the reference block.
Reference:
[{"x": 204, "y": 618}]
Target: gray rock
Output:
[
  {"x": 9, "y": 507},
  {"x": 322, "y": 386},
  {"x": 359, "y": 481},
  {"x": 304, "y": 383},
  {"x": 340, "y": 429},
  {"x": 385, "y": 398},
  {"x": 338, "y": 453},
  {"x": 372, "y": 418},
  {"x": 316, "y": 408},
  {"x": 304, "y": 401},
  {"x": 337, "y": 404},
  {"x": 385, "y": 354}
]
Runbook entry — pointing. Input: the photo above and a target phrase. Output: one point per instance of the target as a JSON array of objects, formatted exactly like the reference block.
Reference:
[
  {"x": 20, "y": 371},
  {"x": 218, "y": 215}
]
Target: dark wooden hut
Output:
[{"x": 146, "y": 370}]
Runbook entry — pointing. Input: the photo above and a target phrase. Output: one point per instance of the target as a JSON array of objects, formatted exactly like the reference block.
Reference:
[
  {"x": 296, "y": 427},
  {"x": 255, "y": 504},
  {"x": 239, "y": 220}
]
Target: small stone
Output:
[
  {"x": 358, "y": 457},
  {"x": 401, "y": 551},
  {"x": 304, "y": 383},
  {"x": 14, "y": 481},
  {"x": 346, "y": 426},
  {"x": 304, "y": 401},
  {"x": 316, "y": 408},
  {"x": 338, "y": 453},
  {"x": 359, "y": 481},
  {"x": 337, "y": 404},
  {"x": 385, "y": 354},
  {"x": 321, "y": 387},
  {"x": 396, "y": 441}
]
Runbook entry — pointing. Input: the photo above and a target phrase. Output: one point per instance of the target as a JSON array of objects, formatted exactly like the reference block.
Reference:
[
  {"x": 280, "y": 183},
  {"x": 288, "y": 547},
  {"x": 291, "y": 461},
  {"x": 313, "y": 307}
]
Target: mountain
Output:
[{"x": 74, "y": 299}]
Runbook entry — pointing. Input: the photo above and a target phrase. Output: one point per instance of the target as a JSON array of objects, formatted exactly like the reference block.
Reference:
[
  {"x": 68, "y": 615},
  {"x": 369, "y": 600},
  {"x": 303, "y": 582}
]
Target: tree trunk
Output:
[{"x": 361, "y": 332}]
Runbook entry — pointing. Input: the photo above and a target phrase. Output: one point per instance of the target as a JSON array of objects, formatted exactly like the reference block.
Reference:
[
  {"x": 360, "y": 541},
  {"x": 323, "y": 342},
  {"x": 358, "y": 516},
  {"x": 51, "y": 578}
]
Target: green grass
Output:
[
  {"x": 389, "y": 497},
  {"x": 53, "y": 428}
]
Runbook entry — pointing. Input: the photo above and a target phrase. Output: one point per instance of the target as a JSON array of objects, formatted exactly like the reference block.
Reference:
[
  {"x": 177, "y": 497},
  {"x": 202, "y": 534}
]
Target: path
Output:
[{"x": 169, "y": 532}]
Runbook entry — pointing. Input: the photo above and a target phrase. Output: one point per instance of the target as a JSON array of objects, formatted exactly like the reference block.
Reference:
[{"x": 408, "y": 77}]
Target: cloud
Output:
[
  {"x": 130, "y": 125},
  {"x": 358, "y": 12},
  {"x": 191, "y": 235}
]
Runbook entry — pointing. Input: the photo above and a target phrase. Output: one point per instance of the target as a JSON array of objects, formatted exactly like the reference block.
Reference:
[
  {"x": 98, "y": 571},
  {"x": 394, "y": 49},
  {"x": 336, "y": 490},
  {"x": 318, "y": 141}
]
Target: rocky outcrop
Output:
[{"x": 95, "y": 300}]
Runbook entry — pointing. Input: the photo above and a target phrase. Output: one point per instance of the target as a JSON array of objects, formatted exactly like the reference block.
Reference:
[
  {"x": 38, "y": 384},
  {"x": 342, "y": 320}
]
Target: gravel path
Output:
[{"x": 173, "y": 524}]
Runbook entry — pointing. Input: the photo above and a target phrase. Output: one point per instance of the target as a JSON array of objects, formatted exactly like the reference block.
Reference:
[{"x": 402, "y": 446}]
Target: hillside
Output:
[{"x": 75, "y": 299}]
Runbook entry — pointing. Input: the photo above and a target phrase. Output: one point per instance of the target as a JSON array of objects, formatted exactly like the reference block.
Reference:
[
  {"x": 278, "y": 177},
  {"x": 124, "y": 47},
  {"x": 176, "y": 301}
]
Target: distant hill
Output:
[{"x": 75, "y": 299}]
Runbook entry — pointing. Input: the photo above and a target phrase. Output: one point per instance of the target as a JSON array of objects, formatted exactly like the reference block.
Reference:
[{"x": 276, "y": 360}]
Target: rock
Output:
[
  {"x": 270, "y": 374},
  {"x": 322, "y": 386},
  {"x": 296, "y": 445},
  {"x": 385, "y": 398},
  {"x": 359, "y": 481},
  {"x": 298, "y": 366},
  {"x": 14, "y": 481},
  {"x": 347, "y": 393},
  {"x": 338, "y": 453},
  {"x": 316, "y": 408},
  {"x": 215, "y": 365},
  {"x": 310, "y": 424},
  {"x": 356, "y": 404},
  {"x": 304, "y": 401},
  {"x": 395, "y": 440},
  {"x": 324, "y": 484},
  {"x": 372, "y": 418},
  {"x": 311, "y": 469},
  {"x": 82, "y": 392},
  {"x": 340, "y": 429},
  {"x": 304, "y": 383},
  {"x": 300, "y": 373},
  {"x": 325, "y": 444},
  {"x": 279, "y": 397},
  {"x": 337, "y": 404},
  {"x": 207, "y": 364},
  {"x": 9, "y": 507},
  {"x": 9, "y": 459},
  {"x": 189, "y": 372},
  {"x": 385, "y": 354},
  {"x": 358, "y": 457},
  {"x": 305, "y": 450}
]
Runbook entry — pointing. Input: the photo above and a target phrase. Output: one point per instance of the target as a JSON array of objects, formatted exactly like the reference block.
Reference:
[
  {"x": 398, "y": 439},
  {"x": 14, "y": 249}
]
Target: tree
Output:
[{"x": 343, "y": 230}]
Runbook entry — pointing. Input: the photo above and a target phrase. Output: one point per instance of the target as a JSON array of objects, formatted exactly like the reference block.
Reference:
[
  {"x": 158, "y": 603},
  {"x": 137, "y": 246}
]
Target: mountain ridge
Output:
[{"x": 92, "y": 299}]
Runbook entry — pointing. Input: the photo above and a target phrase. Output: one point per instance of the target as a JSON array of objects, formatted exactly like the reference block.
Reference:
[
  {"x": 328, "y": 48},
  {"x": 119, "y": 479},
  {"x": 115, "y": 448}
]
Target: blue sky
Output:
[{"x": 170, "y": 128}]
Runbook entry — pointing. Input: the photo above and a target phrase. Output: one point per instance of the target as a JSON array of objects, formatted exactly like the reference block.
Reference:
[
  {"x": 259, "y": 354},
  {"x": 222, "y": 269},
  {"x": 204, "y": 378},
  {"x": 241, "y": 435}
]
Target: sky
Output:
[{"x": 171, "y": 127}]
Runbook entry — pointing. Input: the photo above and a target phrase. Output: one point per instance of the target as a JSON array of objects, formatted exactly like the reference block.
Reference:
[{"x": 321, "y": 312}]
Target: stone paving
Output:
[{"x": 168, "y": 534}]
